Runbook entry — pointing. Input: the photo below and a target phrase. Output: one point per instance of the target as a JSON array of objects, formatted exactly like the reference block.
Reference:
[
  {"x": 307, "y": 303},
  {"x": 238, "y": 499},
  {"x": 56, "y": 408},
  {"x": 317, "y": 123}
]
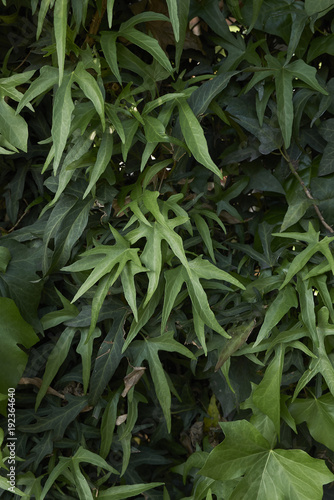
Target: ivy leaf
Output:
[
  {"x": 148, "y": 349},
  {"x": 319, "y": 416},
  {"x": 91, "y": 90},
  {"x": 266, "y": 396},
  {"x": 13, "y": 127},
  {"x": 72, "y": 463},
  {"x": 147, "y": 43},
  {"x": 194, "y": 137},
  {"x": 246, "y": 454},
  {"x": 58, "y": 418},
  {"x": 5, "y": 257},
  {"x": 60, "y": 28},
  {"x": 110, "y": 6},
  {"x": 49, "y": 76},
  {"x": 127, "y": 491},
  {"x": 277, "y": 309},
  {"x": 15, "y": 330},
  {"x": 61, "y": 118}
]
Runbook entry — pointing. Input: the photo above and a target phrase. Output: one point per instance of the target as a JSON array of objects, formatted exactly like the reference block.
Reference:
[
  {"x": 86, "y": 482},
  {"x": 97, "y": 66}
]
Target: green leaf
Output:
[
  {"x": 60, "y": 28},
  {"x": 321, "y": 6},
  {"x": 319, "y": 416},
  {"x": 194, "y": 137},
  {"x": 85, "y": 349},
  {"x": 54, "y": 362},
  {"x": 66, "y": 225},
  {"x": 108, "y": 44},
  {"x": 130, "y": 128},
  {"x": 72, "y": 463},
  {"x": 5, "y": 257},
  {"x": 183, "y": 12},
  {"x": 149, "y": 350},
  {"x": 277, "y": 309},
  {"x": 13, "y": 127},
  {"x": 109, "y": 355},
  {"x": 204, "y": 231},
  {"x": 266, "y": 396},
  {"x": 239, "y": 335},
  {"x": 306, "y": 299},
  {"x": 14, "y": 331},
  {"x": 149, "y": 44},
  {"x": 48, "y": 78},
  {"x": 108, "y": 424},
  {"x": 61, "y": 118},
  {"x": 285, "y": 473},
  {"x": 284, "y": 104},
  {"x": 55, "y": 318},
  {"x": 59, "y": 418},
  {"x": 126, "y": 491},
  {"x": 174, "y": 17},
  {"x": 91, "y": 90},
  {"x": 103, "y": 158},
  {"x": 255, "y": 13},
  {"x": 200, "y": 100},
  {"x": 110, "y": 6},
  {"x": 44, "y": 7}
]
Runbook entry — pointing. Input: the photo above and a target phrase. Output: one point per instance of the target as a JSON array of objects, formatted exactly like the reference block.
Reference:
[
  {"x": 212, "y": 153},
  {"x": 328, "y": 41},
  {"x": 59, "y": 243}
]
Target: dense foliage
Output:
[{"x": 166, "y": 259}]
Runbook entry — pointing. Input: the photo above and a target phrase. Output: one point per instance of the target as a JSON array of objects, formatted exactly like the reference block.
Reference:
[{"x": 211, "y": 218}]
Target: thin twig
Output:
[
  {"x": 306, "y": 191},
  {"x": 95, "y": 24}
]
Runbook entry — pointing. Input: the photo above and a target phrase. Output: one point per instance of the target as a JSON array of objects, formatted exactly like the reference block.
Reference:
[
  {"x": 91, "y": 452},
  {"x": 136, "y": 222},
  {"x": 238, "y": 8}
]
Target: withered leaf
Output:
[{"x": 132, "y": 378}]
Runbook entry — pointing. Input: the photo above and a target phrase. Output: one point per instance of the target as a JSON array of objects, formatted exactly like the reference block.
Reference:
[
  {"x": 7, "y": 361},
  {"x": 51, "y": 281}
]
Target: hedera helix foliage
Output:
[{"x": 166, "y": 258}]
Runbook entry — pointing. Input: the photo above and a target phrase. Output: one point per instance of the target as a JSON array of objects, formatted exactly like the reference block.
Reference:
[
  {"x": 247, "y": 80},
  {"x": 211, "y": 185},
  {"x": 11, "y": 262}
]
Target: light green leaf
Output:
[
  {"x": 174, "y": 281},
  {"x": 144, "y": 17},
  {"x": 239, "y": 335},
  {"x": 44, "y": 7},
  {"x": 266, "y": 396},
  {"x": 61, "y": 118},
  {"x": 174, "y": 17},
  {"x": 85, "y": 349},
  {"x": 48, "y": 78},
  {"x": 60, "y": 28},
  {"x": 126, "y": 491},
  {"x": 55, "y": 318},
  {"x": 149, "y": 44},
  {"x": 282, "y": 304},
  {"x": 319, "y": 416},
  {"x": 130, "y": 128},
  {"x": 108, "y": 44},
  {"x": 91, "y": 90},
  {"x": 284, "y": 104},
  {"x": 154, "y": 129},
  {"x": 306, "y": 299},
  {"x": 54, "y": 362},
  {"x": 102, "y": 160},
  {"x": 13, "y": 127},
  {"x": 245, "y": 454},
  {"x": 108, "y": 424},
  {"x": 306, "y": 73},
  {"x": 111, "y": 111},
  {"x": 110, "y": 6},
  {"x": 204, "y": 231},
  {"x": 14, "y": 330},
  {"x": 72, "y": 463},
  {"x": 194, "y": 137}
]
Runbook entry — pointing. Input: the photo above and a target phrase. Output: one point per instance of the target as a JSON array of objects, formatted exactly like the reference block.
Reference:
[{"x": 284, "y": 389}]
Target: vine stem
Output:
[
  {"x": 306, "y": 191},
  {"x": 95, "y": 24}
]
